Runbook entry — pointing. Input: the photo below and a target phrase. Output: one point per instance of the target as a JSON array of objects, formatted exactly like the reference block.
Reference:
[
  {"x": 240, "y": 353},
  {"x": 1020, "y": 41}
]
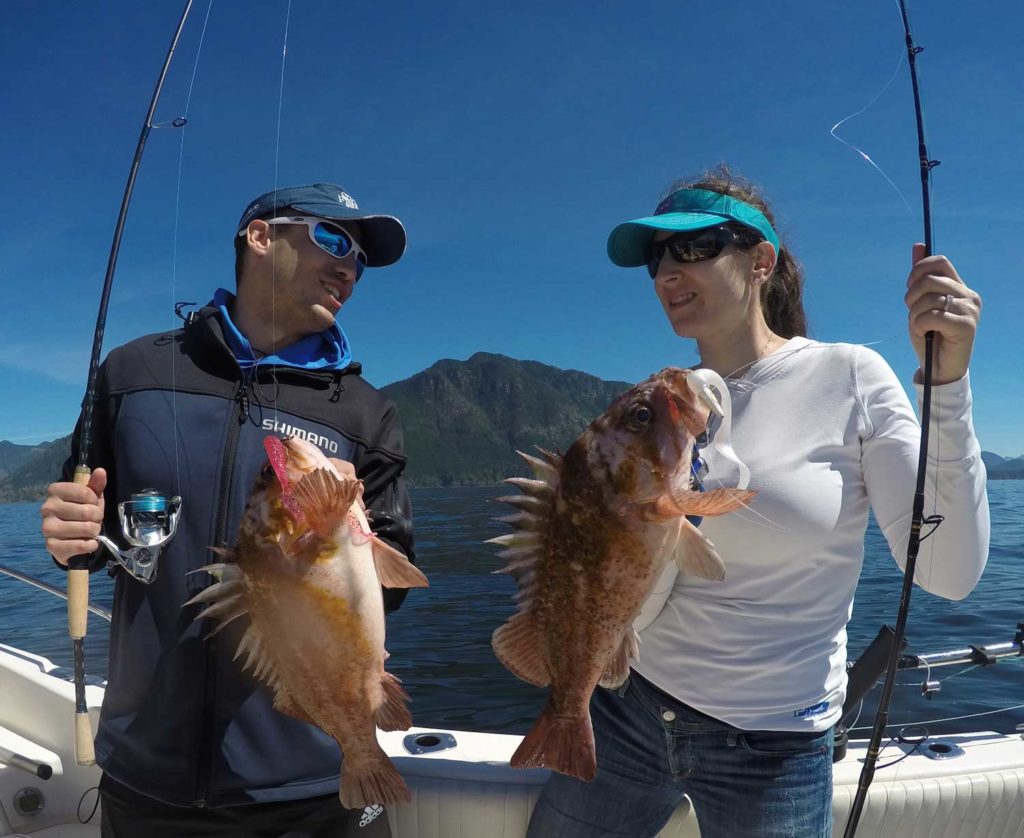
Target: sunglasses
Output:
[
  {"x": 328, "y": 237},
  {"x": 698, "y": 246}
]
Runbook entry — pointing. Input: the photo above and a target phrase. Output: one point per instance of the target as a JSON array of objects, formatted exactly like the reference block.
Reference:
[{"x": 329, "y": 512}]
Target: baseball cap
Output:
[{"x": 381, "y": 236}]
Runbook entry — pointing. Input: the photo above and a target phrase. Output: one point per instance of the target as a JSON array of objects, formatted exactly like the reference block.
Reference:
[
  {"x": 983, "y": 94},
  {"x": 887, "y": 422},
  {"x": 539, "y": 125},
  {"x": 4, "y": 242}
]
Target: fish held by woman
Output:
[
  {"x": 593, "y": 533},
  {"x": 308, "y": 572}
]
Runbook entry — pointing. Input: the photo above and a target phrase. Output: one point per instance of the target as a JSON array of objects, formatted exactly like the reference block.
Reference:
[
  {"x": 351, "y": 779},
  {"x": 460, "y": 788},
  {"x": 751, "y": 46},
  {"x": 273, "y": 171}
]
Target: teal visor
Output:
[{"x": 684, "y": 210}]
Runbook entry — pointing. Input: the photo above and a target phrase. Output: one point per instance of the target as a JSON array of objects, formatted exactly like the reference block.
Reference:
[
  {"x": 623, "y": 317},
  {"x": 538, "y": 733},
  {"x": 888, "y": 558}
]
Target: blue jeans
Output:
[{"x": 652, "y": 749}]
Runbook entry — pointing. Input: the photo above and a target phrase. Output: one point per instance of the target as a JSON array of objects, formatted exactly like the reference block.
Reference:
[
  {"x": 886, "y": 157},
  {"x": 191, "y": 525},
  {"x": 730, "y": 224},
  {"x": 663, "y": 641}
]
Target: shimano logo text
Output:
[{"x": 283, "y": 428}]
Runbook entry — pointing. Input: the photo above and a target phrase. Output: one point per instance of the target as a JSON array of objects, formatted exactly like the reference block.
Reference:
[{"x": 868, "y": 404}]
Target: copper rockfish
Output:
[
  {"x": 594, "y": 531},
  {"x": 308, "y": 572}
]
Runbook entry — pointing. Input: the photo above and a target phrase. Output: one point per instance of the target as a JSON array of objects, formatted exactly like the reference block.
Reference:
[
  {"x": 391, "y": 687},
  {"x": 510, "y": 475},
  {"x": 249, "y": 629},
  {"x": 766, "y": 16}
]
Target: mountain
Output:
[
  {"x": 463, "y": 422},
  {"x": 29, "y": 479},
  {"x": 13, "y": 456},
  {"x": 1000, "y": 468}
]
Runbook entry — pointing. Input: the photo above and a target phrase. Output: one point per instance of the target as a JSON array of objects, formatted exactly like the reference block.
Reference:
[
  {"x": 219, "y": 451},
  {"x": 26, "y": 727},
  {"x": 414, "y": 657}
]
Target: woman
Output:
[{"x": 738, "y": 684}]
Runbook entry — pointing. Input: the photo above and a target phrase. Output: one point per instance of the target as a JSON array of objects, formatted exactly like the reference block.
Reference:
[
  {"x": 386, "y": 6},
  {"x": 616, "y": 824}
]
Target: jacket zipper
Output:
[{"x": 206, "y": 727}]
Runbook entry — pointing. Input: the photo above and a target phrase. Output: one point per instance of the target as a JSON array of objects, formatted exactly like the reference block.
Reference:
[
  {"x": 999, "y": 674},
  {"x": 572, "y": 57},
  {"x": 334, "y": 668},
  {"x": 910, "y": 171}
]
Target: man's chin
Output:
[{"x": 324, "y": 316}]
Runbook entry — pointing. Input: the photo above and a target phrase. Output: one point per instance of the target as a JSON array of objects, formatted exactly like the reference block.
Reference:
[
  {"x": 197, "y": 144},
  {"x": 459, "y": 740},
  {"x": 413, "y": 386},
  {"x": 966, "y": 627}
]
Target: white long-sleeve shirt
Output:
[{"x": 827, "y": 432}]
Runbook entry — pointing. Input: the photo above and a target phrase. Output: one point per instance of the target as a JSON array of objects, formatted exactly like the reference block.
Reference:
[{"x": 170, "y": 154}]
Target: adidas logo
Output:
[{"x": 371, "y": 813}]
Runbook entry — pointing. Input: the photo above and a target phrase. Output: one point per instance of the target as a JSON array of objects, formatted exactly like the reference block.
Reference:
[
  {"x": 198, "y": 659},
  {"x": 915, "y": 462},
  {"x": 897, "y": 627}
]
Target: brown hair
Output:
[{"x": 782, "y": 294}]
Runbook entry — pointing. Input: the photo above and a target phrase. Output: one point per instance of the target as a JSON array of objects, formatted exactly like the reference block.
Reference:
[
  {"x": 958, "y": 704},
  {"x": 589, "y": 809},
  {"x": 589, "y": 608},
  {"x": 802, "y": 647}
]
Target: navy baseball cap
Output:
[{"x": 382, "y": 236}]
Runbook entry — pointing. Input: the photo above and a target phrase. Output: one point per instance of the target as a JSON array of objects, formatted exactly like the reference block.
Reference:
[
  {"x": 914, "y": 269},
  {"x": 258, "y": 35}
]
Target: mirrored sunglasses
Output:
[
  {"x": 328, "y": 237},
  {"x": 698, "y": 245}
]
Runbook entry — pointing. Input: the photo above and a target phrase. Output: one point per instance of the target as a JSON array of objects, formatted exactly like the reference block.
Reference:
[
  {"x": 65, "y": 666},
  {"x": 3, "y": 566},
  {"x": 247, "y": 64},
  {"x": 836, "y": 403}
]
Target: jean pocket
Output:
[{"x": 786, "y": 743}]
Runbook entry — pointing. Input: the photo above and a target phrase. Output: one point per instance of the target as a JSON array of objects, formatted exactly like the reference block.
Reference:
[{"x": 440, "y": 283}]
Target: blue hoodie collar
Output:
[{"x": 326, "y": 350}]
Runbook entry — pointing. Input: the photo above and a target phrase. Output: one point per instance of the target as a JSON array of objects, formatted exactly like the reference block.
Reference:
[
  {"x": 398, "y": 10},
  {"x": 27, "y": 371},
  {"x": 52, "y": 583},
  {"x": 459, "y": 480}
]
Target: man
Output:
[{"x": 189, "y": 746}]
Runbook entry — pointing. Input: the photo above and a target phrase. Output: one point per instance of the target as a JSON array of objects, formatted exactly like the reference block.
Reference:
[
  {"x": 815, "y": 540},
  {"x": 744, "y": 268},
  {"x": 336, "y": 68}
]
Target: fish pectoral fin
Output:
[
  {"x": 618, "y": 669},
  {"x": 696, "y": 554},
  {"x": 517, "y": 646},
  {"x": 394, "y": 570},
  {"x": 393, "y": 714},
  {"x": 325, "y": 497},
  {"x": 715, "y": 502}
]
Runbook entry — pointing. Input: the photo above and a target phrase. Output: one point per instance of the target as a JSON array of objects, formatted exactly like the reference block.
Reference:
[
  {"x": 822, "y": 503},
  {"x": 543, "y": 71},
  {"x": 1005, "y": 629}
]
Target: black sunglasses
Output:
[{"x": 699, "y": 245}]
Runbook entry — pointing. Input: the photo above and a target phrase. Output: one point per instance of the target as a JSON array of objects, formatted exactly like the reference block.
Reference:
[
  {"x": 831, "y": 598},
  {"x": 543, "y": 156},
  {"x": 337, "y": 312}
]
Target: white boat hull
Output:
[{"x": 469, "y": 791}]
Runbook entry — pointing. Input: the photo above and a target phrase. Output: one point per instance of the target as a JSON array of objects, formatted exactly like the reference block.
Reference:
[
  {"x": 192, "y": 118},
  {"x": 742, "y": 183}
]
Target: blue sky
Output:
[{"x": 510, "y": 138}]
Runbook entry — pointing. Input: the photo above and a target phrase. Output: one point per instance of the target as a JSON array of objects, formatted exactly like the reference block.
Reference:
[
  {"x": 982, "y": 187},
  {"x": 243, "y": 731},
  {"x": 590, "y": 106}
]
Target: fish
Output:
[
  {"x": 593, "y": 531},
  {"x": 308, "y": 572}
]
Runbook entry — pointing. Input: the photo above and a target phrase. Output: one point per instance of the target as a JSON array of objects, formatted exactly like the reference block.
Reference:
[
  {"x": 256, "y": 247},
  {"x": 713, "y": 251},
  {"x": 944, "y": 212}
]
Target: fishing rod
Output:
[
  {"x": 98, "y": 610},
  {"x": 78, "y": 566},
  {"x": 918, "y": 520}
]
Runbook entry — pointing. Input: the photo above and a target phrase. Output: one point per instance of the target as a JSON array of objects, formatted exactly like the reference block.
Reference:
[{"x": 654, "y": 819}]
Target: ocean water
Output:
[{"x": 440, "y": 639}]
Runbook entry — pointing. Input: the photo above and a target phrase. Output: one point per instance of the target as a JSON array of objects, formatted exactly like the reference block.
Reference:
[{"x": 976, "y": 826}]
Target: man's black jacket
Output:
[{"x": 176, "y": 413}]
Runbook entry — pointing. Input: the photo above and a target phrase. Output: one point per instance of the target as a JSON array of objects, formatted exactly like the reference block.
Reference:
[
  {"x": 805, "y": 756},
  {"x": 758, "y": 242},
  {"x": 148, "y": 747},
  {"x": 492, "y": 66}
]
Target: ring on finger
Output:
[{"x": 948, "y": 298}]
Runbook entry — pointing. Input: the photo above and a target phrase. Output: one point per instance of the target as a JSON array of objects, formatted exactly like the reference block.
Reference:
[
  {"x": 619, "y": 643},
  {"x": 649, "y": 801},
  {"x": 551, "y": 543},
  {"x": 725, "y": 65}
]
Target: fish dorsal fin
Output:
[
  {"x": 394, "y": 570},
  {"x": 517, "y": 642},
  {"x": 225, "y": 601},
  {"x": 546, "y": 467},
  {"x": 696, "y": 554},
  {"x": 325, "y": 499},
  {"x": 259, "y": 660},
  {"x": 618, "y": 668}
]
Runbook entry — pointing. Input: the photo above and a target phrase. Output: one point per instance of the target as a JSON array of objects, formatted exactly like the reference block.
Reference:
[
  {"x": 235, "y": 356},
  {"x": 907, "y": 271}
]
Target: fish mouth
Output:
[
  {"x": 304, "y": 456},
  {"x": 685, "y": 410}
]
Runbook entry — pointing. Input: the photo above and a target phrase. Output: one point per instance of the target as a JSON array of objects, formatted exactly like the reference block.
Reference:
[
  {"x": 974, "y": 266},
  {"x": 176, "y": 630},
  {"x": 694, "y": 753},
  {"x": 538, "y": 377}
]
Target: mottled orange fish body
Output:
[
  {"x": 308, "y": 573},
  {"x": 595, "y": 531}
]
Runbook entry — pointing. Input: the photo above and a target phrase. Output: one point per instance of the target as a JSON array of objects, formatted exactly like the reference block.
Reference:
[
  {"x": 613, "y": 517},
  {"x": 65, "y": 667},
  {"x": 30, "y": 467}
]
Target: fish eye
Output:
[{"x": 640, "y": 416}]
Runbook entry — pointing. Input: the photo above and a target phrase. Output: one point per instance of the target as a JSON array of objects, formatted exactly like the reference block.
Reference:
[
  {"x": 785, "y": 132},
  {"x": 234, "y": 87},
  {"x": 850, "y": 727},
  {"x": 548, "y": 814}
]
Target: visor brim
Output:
[{"x": 629, "y": 243}]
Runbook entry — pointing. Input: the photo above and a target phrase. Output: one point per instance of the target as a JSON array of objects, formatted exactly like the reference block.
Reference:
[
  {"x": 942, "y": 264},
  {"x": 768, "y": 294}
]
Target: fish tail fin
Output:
[
  {"x": 562, "y": 743},
  {"x": 378, "y": 782},
  {"x": 393, "y": 713}
]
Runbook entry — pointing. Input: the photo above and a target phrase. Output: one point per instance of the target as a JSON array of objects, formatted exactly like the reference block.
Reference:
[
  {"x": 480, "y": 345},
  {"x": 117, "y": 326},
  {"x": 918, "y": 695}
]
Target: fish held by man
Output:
[
  {"x": 308, "y": 571},
  {"x": 593, "y": 532}
]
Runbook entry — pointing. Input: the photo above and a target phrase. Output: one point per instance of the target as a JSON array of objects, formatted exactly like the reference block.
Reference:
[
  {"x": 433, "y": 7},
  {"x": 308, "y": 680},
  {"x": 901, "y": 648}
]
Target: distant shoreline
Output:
[{"x": 5, "y": 501}]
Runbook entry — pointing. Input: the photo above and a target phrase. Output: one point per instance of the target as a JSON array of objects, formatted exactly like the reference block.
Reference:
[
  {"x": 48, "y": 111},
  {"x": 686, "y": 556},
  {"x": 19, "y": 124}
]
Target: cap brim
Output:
[
  {"x": 629, "y": 244},
  {"x": 383, "y": 236}
]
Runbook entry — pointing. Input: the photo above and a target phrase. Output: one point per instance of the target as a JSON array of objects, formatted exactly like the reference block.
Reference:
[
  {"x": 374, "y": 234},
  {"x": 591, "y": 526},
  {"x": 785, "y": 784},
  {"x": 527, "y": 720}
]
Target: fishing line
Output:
[
  {"x": 956, "y": 718},
  {"x": 902, "y": 739},
  {"x": 174, "y": 243},
  {"x": 273, "y": 263},
  {"x": 928, "y": 569},
  {"x": 95, "y": 804},
  {"x": 861, "y": 152}
]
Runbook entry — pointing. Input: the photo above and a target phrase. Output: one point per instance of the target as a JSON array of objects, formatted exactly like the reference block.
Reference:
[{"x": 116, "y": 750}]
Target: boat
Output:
[{"x": 962, "y": 786}]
